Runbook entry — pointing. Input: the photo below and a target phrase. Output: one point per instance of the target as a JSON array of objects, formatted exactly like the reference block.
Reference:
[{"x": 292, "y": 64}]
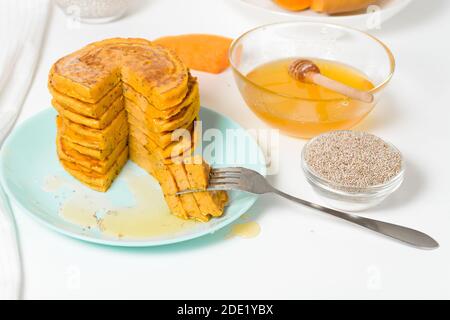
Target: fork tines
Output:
[{"x": 224, "y": 178}]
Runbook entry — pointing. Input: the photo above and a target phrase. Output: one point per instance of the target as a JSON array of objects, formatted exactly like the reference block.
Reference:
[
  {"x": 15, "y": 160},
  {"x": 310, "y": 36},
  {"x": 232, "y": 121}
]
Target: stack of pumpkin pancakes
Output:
[{"x": 127, "y": 98}]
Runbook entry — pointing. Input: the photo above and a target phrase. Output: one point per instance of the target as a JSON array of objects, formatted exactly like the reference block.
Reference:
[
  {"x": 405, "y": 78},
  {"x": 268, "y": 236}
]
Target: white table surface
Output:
[{"x": 299, "y": 252}]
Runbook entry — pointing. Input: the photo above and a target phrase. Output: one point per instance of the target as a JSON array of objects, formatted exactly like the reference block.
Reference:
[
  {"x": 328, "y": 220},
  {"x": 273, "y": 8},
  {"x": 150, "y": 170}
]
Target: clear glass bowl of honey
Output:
[{"x": 260, "y": 60}]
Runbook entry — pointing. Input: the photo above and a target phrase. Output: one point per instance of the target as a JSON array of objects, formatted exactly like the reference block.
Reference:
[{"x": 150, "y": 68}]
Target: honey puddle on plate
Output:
[
  {"x": 77, "y": 211},
  {"x": 245, "y": 230},
  {"x": 53, "y": 183},
  {"x": 148, "y": 217}
]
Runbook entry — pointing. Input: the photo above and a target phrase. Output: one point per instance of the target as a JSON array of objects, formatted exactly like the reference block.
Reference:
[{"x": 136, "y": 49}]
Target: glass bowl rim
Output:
[
  {"x": 332, "y": 25},
  {"x": 349, "y": 190}
]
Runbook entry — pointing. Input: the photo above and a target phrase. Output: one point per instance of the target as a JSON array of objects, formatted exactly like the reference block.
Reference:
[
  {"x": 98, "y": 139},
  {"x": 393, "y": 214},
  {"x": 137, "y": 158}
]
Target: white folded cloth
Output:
[
  {"x": 10, "y": 260},
  {"x": 22, "y": 25}
]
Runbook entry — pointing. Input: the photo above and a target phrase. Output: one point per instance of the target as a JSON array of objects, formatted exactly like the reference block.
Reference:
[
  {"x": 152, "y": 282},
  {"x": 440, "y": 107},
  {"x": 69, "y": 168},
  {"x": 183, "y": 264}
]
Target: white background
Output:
[{"x": 300, "y": 253}]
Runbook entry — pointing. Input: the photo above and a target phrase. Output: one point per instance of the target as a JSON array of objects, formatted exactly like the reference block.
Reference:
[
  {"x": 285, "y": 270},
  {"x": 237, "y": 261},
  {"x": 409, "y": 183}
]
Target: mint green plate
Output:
[{"x": 28, "y": 158}]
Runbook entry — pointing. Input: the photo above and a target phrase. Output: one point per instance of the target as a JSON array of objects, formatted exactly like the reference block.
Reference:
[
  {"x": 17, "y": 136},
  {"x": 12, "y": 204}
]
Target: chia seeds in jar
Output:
[
  {"x": 94, "y": 11},
  {"x": 351, "y": 170}
]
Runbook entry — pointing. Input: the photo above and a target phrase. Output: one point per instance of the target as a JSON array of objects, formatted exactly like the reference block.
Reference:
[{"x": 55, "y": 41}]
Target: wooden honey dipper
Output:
[{"x": 307, "y": 71}]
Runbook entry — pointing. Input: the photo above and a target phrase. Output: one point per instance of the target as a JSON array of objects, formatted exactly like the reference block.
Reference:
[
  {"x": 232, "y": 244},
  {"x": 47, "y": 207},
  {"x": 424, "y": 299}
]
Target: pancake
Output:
[
  {"x": 94, "y": 180},
  {"x": 122, "y": 99},
  {"x": 169, "y": 187},
  {"x": 197, "y": 171},
  {"x": 181, "y": 119},
  {"x": 187, "y": 200},
  {"x": 101, "y": 123},
  {"x": 73, "y": 142},
  {"x": 151, "y": 111},
  {"x": 65, "y": 152},
  {"x": 172, "y": 151},
  {"x": 136, "y": 147},
  {"x": 153, "y": 71},
  {"x": 91, "y": 110},
  {"x": 140, "y": 156},
  {"x": 162, "y": 139},
  {"x": 94, "y": 138}
]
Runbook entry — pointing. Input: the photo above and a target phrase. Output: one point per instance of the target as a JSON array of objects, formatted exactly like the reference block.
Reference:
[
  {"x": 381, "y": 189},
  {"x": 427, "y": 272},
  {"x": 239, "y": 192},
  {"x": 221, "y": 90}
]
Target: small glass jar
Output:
[
  {"x": 300, "y": 117},
  {"x": 352, "y": 199},
  {"x": 94, "y": 11}
]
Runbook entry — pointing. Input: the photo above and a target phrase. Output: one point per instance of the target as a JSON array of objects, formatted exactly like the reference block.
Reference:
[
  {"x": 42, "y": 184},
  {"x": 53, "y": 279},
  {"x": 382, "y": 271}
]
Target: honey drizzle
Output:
[
  {"x": 245, "y": 230},
  {"x": 148, "y": 217}
]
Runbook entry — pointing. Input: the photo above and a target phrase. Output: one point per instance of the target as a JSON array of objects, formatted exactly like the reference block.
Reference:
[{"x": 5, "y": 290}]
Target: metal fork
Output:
[{"x": 243, "y": 179}]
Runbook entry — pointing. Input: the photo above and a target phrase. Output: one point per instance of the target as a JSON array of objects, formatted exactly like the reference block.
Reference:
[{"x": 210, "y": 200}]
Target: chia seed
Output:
[
  {"x": 94, "y": 9},
  {"x": 353, "y": 159}
]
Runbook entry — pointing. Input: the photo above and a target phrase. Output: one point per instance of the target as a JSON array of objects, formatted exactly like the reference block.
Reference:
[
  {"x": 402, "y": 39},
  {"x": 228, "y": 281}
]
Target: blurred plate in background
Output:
[{"x": 271, "y": 12}]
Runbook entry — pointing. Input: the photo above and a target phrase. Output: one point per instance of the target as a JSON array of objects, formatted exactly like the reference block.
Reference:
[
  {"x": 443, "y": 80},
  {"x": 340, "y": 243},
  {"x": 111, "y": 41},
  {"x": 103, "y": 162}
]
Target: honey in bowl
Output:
[{"x": 304, "y": 109}]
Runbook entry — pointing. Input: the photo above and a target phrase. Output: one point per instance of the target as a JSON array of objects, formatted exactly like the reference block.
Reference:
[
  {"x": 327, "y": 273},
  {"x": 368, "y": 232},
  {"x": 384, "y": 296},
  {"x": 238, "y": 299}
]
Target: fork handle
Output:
[{"x": 410, "y": 236}]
